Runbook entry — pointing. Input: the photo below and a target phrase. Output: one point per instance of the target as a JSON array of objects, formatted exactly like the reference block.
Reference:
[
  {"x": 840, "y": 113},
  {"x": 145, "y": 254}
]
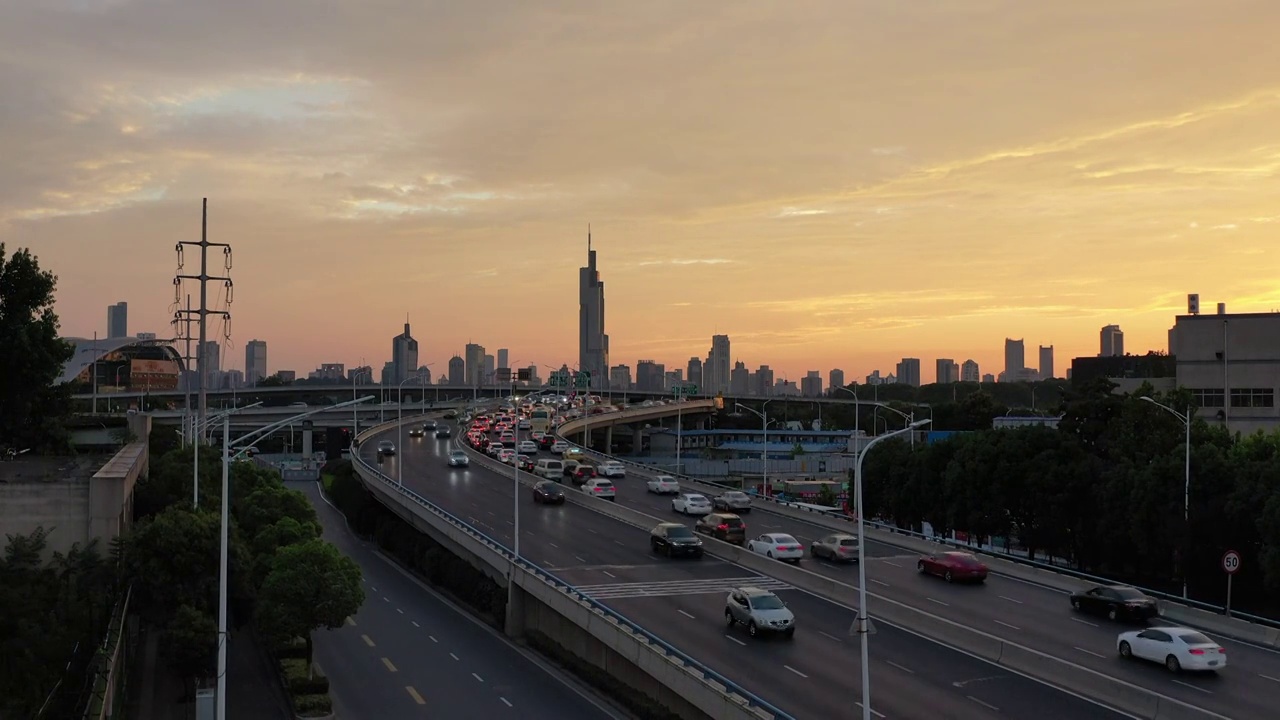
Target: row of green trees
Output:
[{"x": 1103, "y": 491}]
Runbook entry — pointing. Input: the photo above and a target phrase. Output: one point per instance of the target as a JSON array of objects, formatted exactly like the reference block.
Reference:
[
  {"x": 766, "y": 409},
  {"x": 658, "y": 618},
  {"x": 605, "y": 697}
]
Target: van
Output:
[{"x": 549, "y": 469}]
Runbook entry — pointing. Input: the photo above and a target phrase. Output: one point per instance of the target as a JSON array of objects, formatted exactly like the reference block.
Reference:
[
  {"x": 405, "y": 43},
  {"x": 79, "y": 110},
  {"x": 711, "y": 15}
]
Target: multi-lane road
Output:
[
  {"x": 410, "y": 654},
  {"x": 812, "y": 676}
]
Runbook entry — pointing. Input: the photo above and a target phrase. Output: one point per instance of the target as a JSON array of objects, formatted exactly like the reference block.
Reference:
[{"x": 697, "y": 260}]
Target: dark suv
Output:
[
  {"x": 673, "y": 540},
  {"x": 723, "y": 526}
]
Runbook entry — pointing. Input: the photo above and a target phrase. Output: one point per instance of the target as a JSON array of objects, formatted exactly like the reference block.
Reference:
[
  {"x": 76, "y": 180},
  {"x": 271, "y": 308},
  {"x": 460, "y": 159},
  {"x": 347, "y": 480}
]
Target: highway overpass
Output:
[{"x": 1019, "y": 621}]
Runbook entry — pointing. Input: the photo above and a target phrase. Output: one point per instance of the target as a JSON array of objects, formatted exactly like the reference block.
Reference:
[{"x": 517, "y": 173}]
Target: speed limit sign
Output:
[{"x": 1231, "y": 562}]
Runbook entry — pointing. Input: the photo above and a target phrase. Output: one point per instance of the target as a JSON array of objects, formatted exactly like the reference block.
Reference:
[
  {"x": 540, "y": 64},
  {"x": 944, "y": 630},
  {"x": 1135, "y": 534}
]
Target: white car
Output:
[
  {"x": 663, "y": 485},
  {"x": 493, "y": 448},
  {"x": 612, "y": 469},
  {"x": 691, "y": 504},
  {"x": 779, "y": 546},
  {"x": 528, "y": 447},
  {"x": 558, "y": 447},
  {"x": 601, "y": 488},
  {"x": 1174, "y": 647},
  {"x": 524, "y": 424}
]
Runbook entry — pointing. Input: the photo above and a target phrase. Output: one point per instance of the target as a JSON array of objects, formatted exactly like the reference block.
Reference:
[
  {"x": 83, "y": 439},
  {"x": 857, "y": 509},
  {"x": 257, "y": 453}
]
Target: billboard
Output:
[{"x": 153, "y": 374}]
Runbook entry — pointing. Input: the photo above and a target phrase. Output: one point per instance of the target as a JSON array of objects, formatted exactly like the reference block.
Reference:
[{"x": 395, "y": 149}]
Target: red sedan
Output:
[{"x": 953, "y": 567}]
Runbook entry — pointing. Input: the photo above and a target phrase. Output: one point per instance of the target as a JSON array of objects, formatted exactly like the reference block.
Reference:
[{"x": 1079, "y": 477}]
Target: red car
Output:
[{"x": 953, "y": 567}]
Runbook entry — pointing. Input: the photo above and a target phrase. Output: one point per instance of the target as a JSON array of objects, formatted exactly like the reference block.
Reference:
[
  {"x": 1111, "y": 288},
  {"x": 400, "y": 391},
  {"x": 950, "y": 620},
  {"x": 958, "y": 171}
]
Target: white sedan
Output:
[
  {"x": 528, "y": 447},
  {"x": 779, "y": 546},
  {"x": 663, "y": 485},
  {"x": 691, "y": 504},
  {"x": 1174, "y": 647}
]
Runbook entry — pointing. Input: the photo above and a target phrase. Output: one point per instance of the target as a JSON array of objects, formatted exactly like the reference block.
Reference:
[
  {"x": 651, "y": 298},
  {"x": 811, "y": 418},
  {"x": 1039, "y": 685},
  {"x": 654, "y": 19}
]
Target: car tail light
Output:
[
  {"x": 722, "y": 526},
  {"x": 1196, "y": 651},
  {"x": 1222, "y": 650}
]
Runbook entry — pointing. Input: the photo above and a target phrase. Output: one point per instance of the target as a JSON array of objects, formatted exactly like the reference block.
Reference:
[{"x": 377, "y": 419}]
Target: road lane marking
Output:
[
  {"x": 455, "y": 657},
  {"x": 433, "y": 638},
  {"x": 505, "y": 701},
  {"x": 580, "y": 558},
  {"x": 773, "y": 527},
  {"x": 477, "y": 677},
  {"x": 1012, "y": 600},
  {"x": 903, "y": 668},
  {"x": 879, "y": 582},
  {"x": 686, "y": 614},
  {"x": 390, "y": 667},
  {"x": 1194, "y": 687},
  {"x": 351, "y": 621},
  {"x": 890, "y": 562},
  {"x": 1090, "y": 652},
  {"x": 606, "y": 572},
  {"x": 938, "y": 601},
  {"x": 1268, "y": 677},
  {"x": 1084, "y": 622},
  {"x": 414, "y": 694},
  {"x": 554, "y": 545},
  {"x": 987, "y": 705},
  {"x": 367, "y": 640},
  {"x": 736, "y": 640},
  {"x": 873, "y": 710},
  {"x": 386, "y": 599},
  {"x": 1011, "y": 627},
  {"x": 619, "y": 542},
  {"x": 399, "y": 611},
  {"x": 373, "y": 588},
  {"x": 795, "y": 671},
  {"x": 833, "y": 637},
  {"x": 593, "y": 532},
  {"x": 414, "y": 623}
]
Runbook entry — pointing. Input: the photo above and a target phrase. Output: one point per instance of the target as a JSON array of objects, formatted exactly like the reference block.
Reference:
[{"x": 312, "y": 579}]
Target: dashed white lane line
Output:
[
  {"x": 987, "y": 705},
  {"x": 386, "y": 599},
  {"x": 1084, "y": 622},
  {"x": 795, "y": 671},
  {"x": 829, "y": 635},
  {"x": 619, "y": 542},
  {"x": 1012, "y": 600},
  {"x": 1268, "y": 677},
  {"x": 433, "y": 638},
  {"x": 686, "y": 614},
  {"x": 606, "y": 572},
  {"x": 938, "y": 602},
  {"x": 1090, "y": 652},
  {"x": 736, "y": 640},
  {"x": 399, "y": 611},
  {"x": 505, "y": 701},
  {"x": 455, "y": 657},
  {"x": 554, "y": 545},
  {"x": 390, "y": 667},
  {"x": 879, "y": 582},
  {"x": 890, "y": 562},
  {"x": 903, "y": 668},
  {"x": 593, "y": 532},
  {"x": 477, "y": 677},
  {"x": 1011, "y": 627}
]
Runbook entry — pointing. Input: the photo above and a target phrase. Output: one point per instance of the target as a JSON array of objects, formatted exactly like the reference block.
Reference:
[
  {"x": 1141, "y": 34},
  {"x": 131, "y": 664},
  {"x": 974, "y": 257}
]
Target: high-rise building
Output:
[
  {"x": 835, "y": 379},
  {"x": 593, "y": 343},
  {"x": 909, "y": 372},
  {"x": 532, "y": 373},
  {"x": 811, "y": 384},
  {"x": 694, "y": 373},
  {"x": 404, "y": 355},
  {"x": 489, "y": 373},
  {"x": 211, "y": 364},
  {"x": 475, "y": 365},
  {"x": 969, "y": 372},
  {"x": 1015, "y": 359},
  {"x": 650, "y": 376},
  {"x": 947, "y": 371},
  {"x": 457, "y": 372},
  {"x": 988, "y": 378},
  {"x": 739, "y": 379},
  {"x": 503, "y": 357},
  {"x": 118, "y": 320},
  {"x": 715, "y": 373},
  {"x": 1111, "y": 341},
  {"x": 620, "y": 377},
  {"x": 388, "y": 374},
  {"x": 255, "y": 361},
  {"x": 1046, "y": 362},
  {"x": 362, "y": 375},
  {"x": 764, "y": 381},
  {"x": 673, "y": 379}
]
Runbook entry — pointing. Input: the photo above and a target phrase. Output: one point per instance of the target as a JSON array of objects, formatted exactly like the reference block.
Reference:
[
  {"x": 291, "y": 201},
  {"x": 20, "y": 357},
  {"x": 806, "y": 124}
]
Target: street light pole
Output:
[
  {"x": 1186, "y": 485},
  {"x": 764, "y": 453},
  {"x": 862, "y": 566}
]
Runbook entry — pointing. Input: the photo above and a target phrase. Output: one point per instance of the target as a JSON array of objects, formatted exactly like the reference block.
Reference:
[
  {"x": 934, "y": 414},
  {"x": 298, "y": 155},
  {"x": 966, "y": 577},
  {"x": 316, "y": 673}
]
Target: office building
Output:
[
  {"x": 650, "y": 376},
  {"x": 488, "y": 374},
  {"x": 388, "y": 377},
  {"x": 331, "y": 372},
  {"x": 835, "y": 379},
  {"x": 969, "y": 371},
  {"x": 785, "y": 388},
  {"x": 404, "y": 355},
  {"x": 694, "y": 373},
  {"x": 874, "y": 378},
  {"x": 739, "y": 379},
  {"x": 503, "y": 358},
  {"x": 593, "y": 343},
  {"x": 288, "y": 376},
  {"x": 1015, "y": 360},
  {"x": 715, "y": 372},
  {"x": 457, "y": 372},
  {"x": 118, "y": 320},
  {"x": 764, "y": 381},
  {"x": 909, "y": 371},
  {"x": 673, "y": 379},
  {"x": 947, "y": 371},
  {"x": 255, "y": 361},
  {"x": 620, "y": 377},
  {"x": 988, "y": 378},
  {"x": 232, "y": 380},
  {"x": 211, "y": 364},
  {"x": 1111, "y": 341},
  {"x": 423, "y": 375},
  {"x": 474, "y": 355},
  {"x": 811, "y": 384},
  {"x": 1231, "y": 364},
  {"x": 1046, "y": 362}
]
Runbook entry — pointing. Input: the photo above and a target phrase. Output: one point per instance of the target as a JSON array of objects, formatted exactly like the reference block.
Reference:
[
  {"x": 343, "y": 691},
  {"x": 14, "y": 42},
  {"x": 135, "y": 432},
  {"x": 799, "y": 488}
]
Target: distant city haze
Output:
[{"x": 843, "y": 184}]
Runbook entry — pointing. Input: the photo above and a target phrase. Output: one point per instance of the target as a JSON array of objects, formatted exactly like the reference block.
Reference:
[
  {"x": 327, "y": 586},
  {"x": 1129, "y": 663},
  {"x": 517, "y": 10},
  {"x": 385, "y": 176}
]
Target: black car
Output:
[
  {"x": 548, "y": 492},
  {"x": 674, "y": 539},
  {"x": 546, "y": 441},
  {"x": 429, "y": 425},
  {"x": 443, "y": 432},
  {"x": 1116, "y": 602}
]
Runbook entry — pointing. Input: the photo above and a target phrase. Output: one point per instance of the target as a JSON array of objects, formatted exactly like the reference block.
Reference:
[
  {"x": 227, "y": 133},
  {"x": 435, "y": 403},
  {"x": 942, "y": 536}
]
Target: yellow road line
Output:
[
  {"x": 390, "y": 667},
  {"x": 414, "y": 694}
]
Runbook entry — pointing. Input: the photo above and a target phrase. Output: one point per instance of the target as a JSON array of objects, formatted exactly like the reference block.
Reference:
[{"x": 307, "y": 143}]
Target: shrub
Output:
[
  {"x": 295, "y": 648},
  {"x": 296, "y": 678},
  {"x": 315, "y": 705}
]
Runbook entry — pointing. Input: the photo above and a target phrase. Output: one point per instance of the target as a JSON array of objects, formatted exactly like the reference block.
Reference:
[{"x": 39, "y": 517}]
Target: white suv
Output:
[{"x": 612, "y": 469}]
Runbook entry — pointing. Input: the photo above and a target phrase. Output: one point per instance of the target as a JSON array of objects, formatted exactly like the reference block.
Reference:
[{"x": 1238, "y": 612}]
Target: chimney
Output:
[{"x": 1222, "y": 308}]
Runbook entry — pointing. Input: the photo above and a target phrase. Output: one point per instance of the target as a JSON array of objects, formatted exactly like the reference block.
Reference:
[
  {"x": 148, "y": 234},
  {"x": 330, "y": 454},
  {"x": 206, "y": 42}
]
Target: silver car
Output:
[
  {"x": 760, "y": 610},
  {"x": 838, "y": 547},
  {"x": 457, "y": 458},
  {"x": 734, "y": 501}
]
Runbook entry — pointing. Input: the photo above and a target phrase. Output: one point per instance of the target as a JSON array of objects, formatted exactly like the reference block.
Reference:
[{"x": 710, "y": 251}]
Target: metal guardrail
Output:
[
  {"x": 1010, "y": 557},
  {"x": 506, "y": 552}
]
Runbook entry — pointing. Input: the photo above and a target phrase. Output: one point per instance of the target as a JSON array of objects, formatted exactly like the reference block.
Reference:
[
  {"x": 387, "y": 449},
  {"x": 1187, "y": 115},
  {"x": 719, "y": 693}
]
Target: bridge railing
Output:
[{"x": 565, "y": 587}]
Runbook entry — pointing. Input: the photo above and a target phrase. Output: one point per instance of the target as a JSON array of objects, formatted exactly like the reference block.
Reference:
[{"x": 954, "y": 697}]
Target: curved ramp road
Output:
[
  {"x": 813, "y": 676},
  {"x": 409, "y": 654}
]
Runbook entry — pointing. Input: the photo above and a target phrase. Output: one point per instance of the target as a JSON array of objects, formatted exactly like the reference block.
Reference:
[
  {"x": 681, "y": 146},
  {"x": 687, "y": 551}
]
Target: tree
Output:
[
  {"x": 191, "y": 644},
  {"x": 31, "y": 356},
  {"x": 269, "y": 504},
  {"x": 311, "y": 586}
]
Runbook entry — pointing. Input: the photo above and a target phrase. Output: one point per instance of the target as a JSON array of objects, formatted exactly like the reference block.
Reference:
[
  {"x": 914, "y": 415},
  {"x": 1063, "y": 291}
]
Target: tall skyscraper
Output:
[
  {"x": 1046, "y": 362},
  {"x": 211, "y": 364},
  {"x": 503, "y": 357},
  {"x": 489, "y": 374},
  {"x": 969, "y": 372},
  {"x": 620, "y": 377},
  {"x": 118, "y": 320},
  {"x": 811, "y": 384},
  {"x": 1015, "y": 359},
  {"x": 694, "y": 373},
  {"x": 739, "y": 379},
  {"x": 764, "y": 381},
  {"x": 255, "y": 362},
  {"x": 404, "y": 355},
  {"x": 1112, "y": 341},
  {"x": 715, "y": 373},
  {"x": 457, "y": 372},
  {"x": 475, "y": 365},
  {"x": 947, "y": 371},
  {"x": 909, "y": 371},
  {"x": 593, "y": 343},
  {"x": 650, "y": 376},
  {"x": 835, "y": 379}
]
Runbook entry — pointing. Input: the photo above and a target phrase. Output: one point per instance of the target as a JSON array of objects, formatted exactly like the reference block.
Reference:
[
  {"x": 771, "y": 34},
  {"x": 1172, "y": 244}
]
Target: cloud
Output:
[{"x": 685, "y": 261}]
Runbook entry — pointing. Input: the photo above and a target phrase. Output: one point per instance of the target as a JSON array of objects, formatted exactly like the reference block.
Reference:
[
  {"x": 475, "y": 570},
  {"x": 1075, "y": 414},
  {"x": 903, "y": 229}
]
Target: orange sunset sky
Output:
[{"x": 831, "y": 183}]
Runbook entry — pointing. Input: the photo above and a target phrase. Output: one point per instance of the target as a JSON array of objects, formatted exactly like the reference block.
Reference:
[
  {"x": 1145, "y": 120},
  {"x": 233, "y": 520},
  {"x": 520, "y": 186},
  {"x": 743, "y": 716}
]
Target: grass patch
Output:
[{"x": 326, "y": 481}]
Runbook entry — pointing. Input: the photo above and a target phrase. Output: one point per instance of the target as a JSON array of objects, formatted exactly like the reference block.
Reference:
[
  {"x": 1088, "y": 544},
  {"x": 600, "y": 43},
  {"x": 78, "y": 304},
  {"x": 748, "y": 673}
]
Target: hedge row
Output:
[{"x": 308, "y": 691}]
